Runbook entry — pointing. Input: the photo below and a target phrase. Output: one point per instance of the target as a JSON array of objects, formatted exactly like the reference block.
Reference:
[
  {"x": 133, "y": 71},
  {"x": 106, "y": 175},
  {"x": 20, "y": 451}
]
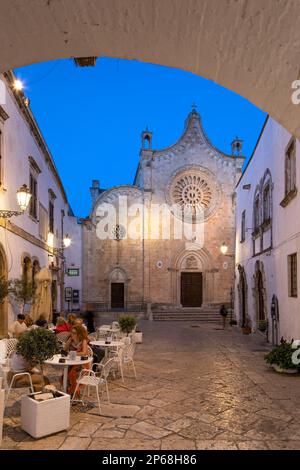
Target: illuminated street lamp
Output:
[
  {"x": 18, "y": 85},
  {"x": 224, "y": 248},
  {"x": 23, "y": 198},
  {"x": 67, "y": 241}
]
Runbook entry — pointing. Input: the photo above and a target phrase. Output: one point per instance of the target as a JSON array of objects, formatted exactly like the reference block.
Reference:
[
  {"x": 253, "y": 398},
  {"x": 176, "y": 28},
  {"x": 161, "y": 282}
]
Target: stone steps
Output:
[{"x": 210, "y": 316}]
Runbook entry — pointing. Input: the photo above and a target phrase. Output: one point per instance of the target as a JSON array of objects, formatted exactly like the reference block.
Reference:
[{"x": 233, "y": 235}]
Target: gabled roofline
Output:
[{"x": 207, "y": 141}]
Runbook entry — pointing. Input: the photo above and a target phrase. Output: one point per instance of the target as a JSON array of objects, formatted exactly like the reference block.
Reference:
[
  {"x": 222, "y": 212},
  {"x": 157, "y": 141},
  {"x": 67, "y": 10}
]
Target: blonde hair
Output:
[
  {"x": 60, "y": 321},
  {"x": 80, "y": 332}
]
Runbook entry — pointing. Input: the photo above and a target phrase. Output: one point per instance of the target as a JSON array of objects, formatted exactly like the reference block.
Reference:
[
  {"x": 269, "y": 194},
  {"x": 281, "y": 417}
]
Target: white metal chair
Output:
[
  {"x": 124, "y": 356},
  {"x": 89, "y": 378},
  {"x": 63, "y": 336},
  {"x": 11, "y": 346},
  {"x": 17, "y": 374}
]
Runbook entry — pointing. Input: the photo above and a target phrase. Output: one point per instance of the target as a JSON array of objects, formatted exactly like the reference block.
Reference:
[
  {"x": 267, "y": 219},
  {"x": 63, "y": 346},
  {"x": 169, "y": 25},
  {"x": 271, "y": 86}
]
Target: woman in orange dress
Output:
[{"x": 78, "y": 342}]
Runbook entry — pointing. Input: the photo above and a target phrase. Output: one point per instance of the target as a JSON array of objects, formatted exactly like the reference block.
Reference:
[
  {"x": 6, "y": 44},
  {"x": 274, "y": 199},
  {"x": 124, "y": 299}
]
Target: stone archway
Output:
[
  {"x": 260, "y": 293},
  {"x": 216, "y": 40},
  {"x": 190, "y": 262},
  {"x": 4, "y": 304},
  {"x": 117, "y": 297}
]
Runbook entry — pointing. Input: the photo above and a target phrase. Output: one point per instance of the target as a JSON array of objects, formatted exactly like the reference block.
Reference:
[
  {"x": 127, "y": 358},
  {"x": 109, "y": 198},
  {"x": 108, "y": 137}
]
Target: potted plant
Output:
[
  {"x": 281, "y": 358},
  {"x": 127, "y": 323},
  {"x": 262, "y": 325},
  {"x": 41, "y": 418},
  {"x": 138, "y": 336},
  {"x": 246, "y": 328}
]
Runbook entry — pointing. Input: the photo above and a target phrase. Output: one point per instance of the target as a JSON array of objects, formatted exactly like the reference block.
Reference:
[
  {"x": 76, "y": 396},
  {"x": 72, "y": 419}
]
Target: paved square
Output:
[{"x": 198, "y": 387}]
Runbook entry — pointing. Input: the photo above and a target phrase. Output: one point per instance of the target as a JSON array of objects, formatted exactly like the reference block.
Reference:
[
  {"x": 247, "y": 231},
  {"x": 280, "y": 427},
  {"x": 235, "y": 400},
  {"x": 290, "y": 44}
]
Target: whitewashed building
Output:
[
  {"x": 34, "y": 239},
  {"x": 268, "y": 236}
]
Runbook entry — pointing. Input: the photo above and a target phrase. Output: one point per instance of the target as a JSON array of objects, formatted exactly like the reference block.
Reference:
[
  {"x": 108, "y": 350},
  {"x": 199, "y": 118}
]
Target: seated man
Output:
[{"x": 18, "y": 327}]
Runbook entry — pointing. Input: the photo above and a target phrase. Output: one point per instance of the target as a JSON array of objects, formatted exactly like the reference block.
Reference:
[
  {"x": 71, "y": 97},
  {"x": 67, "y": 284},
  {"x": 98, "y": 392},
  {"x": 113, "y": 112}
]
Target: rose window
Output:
[{"x": 193, "y": 194}]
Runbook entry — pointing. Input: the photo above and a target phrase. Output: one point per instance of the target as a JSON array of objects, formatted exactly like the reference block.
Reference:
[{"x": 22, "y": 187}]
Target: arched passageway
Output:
[{"x": 251, "y": 48}]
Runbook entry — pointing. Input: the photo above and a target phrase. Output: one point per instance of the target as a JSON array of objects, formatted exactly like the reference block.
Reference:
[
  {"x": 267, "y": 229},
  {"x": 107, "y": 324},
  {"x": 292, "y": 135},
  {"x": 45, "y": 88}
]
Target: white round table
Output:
[
  {"x": 78, "y": 362},
  {"x": 103, "y": 344}
]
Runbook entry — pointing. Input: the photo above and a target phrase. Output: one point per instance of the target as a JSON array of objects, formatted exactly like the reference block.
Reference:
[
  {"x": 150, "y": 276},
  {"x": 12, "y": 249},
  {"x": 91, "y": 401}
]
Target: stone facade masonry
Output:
[{"x": 151, "y": 268}]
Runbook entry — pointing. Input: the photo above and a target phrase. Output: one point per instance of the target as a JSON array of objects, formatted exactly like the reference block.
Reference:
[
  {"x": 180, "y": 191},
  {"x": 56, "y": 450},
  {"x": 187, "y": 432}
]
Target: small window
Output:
[
  {"x": 51, "y": 217},
  {"x": 33, "y": 200},
  {"x": 267, "y": 203},
  {"x": 292, "y": 273},
  {"x": 243, "y": 226},
  {"x": 256, "y": 213},
  {"x": 290, "y": 168}
]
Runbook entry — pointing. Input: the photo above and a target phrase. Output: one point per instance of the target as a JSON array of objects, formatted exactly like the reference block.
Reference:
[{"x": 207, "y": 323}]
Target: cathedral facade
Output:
[{"x": 157, "y": 242}]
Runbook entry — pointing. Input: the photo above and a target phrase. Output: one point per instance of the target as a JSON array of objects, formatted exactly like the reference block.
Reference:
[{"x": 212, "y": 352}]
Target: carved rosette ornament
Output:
[{"x": 193, "y": 193}]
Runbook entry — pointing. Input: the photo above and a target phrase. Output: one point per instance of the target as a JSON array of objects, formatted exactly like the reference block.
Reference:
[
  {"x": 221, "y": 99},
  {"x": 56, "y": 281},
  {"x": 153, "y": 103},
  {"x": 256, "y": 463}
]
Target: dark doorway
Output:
[
  {"x": 261, "y": 302},
  {"x": 117, "y": 295},
  {"x": 243, "y": 298},
  {"x": 191, "y": 289}
]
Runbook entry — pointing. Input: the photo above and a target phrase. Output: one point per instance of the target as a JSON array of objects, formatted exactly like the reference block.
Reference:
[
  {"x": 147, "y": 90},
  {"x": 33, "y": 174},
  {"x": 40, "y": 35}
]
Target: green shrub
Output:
[
  {"x": 282, "y": 356},
  {"x": 38, "y": 345},
  {"x": 262, "y": 325},
  {"x": 127, "y": 323}
]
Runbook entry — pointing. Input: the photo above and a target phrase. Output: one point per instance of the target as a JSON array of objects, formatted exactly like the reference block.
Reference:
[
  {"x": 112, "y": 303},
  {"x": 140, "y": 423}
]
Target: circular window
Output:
[{"x": 193, "y": 194}]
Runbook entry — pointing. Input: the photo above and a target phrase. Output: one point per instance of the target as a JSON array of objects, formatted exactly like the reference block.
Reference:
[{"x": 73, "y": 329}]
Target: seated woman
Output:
[
  {"x": 61, "y": 325},
  {"x": 78, "y": 342}
]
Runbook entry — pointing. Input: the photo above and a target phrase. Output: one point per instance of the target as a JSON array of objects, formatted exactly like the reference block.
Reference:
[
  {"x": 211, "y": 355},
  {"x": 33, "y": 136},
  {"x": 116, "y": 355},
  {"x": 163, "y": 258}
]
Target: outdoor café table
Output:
[
  {"x": 103, "y": 344},
  {"x": 78, "y": 362}
]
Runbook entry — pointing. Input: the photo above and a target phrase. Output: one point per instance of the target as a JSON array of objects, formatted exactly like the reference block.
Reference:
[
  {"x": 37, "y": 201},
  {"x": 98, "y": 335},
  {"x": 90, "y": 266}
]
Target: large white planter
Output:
[
  {"x": 284, "y": 371},
  {"x": 2, "y": 396},
  {"x": 47, "y": 417}
]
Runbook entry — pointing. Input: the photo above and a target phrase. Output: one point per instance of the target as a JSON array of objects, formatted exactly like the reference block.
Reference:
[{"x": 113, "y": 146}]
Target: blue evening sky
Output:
[{"x": 92, "y": 117}]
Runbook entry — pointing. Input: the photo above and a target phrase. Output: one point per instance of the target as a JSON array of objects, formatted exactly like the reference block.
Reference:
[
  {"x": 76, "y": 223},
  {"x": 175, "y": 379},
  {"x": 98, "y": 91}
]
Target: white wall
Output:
[
  {"x": 73, "y": 256},
  {"x": 18, "y": 144},
  {"x": 270, "y": 153}
]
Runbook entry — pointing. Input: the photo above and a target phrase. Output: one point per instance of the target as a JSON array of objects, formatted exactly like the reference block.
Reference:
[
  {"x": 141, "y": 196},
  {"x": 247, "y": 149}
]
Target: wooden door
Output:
[
  {"x": 117, "y": 295},
  {"x": 191, "y": 289}
]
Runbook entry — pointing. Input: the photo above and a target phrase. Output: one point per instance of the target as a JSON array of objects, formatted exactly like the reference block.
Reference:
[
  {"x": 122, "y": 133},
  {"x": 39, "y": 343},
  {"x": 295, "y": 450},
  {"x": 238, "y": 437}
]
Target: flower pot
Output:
[
  {"x": 138, "y": 337},
  {"x": 40, "y": 419},
  {"x": 284, "y": 371},
  {"x": 246, "y": 330}
]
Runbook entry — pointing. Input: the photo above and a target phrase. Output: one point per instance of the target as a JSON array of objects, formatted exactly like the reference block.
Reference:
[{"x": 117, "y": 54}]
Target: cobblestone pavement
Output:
[{"x": 198, "y": 387}]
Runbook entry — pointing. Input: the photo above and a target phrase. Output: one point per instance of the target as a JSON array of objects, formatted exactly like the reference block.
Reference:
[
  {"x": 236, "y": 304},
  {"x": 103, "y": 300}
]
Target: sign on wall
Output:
[
  {"x": 68, "y": 294},
  {"x": 73, "y": 271}
]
